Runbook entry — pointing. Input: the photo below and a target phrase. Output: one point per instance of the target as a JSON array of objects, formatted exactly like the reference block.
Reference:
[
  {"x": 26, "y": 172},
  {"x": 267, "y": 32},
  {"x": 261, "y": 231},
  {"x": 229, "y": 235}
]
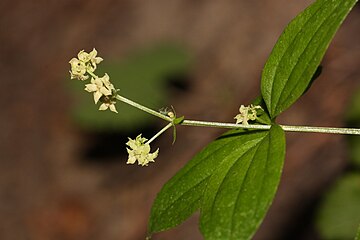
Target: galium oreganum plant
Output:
[{"x": 234, "y": 179}]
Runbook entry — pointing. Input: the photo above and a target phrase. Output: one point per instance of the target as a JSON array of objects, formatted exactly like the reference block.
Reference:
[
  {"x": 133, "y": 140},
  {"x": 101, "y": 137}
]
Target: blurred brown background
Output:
[{"x": 49, "y": 190}]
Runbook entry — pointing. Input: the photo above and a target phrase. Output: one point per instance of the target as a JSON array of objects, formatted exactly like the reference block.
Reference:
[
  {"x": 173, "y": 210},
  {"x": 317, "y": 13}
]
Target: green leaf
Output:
[
  {"x": 175, "y": 122},
  {"x": 181, "y": 196},
  {"x": 339, "y": 213},
  {"x": 242, "y": 187},
  {"x": 178, "y": 120},
  {"x": 299, "y": 51},
  {"x": 357, "y": 237},
  {"x": 314, "y": 77},
  {"x": 263, "y": 116}
]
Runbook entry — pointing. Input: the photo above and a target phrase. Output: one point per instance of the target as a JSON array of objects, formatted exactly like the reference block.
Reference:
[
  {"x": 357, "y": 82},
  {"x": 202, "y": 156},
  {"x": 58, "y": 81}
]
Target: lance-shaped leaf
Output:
[
  {"x": 241, "y": 189},
  {"x": 181, "y": 196},
  {"x": 299, "y": 51}
]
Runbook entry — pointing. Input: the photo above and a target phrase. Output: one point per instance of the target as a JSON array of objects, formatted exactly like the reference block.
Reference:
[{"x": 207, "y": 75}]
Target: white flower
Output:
[
  {"x": 90, "y": 59},
  {"x": 140, "y": 151},
  {"x": 86, "y": 62},
  {"x": 100, "y": 86},
  {"x": 84, "y": 56},
  {"x": 110, "y": 105},
  {"x": 78, "y": 69},
  {"x": 246, "y": 114},
  {"x": 93, "y": 58}
]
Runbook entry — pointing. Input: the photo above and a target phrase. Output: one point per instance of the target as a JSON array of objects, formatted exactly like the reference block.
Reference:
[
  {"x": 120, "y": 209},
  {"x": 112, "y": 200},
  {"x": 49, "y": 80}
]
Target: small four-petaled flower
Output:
[
  {"x": 140, "y": 151},
  {"x": 246, "y": 114},
  {"x": 83, "y": 64},
  {"x": 100, "y": 87}
]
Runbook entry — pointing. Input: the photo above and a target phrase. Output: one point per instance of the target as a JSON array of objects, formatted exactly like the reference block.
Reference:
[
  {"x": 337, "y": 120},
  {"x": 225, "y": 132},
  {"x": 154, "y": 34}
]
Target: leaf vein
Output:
[
  {"x": 276, "y": 66},
  {"x": 241, "y": 187},
  {"x": 299, "y": 59}
]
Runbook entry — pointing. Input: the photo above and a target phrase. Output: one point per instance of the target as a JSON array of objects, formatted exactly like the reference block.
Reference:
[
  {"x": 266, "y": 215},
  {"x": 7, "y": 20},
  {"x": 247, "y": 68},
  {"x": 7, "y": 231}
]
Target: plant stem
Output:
[
  {"x": 348, "y": 131},
  {"x": 143, "y": 108},
  {"x": 92, "y": 74},
  {"x": 351, "y": 131},
  {"x": 222, "y": 125},
  {"x": 160, "y": 132}
]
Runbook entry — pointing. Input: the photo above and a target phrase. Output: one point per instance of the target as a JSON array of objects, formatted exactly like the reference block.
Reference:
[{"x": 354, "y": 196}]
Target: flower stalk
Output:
[
  {"x": 143, "y": 108},
  {"x": 160, "y": 132}
]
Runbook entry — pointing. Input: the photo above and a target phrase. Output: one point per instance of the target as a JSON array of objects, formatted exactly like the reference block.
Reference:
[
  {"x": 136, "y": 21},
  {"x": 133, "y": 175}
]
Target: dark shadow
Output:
[
  {"x": 238, "y": 132},
  {"x": 108, "y": 147},
  {"x": 178, "y": 83}
]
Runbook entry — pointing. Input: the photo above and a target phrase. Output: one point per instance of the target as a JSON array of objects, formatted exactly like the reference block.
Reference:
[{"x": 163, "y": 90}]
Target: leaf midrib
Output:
[
  {"x": 241, "y": 187},
  {"x": 276, "y": 105},
  {"x": 276, "y": 66},
  {"x": 232, "y": 165}
]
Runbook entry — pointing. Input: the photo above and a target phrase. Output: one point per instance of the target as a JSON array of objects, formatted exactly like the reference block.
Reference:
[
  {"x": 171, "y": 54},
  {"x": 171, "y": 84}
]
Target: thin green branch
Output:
[
  {"x": 92, "y": 74},
  {"x": 333, "y": 130},
  {"x": 143, "y": 108},
  {"x": 160, "y": 132},
  {"x": 351, "y": 131},
  {"x": 223, "y": 125}
]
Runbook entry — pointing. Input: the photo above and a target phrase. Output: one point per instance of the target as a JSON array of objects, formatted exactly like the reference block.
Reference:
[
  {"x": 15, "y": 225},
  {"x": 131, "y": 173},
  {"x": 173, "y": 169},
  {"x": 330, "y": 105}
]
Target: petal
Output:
[
  {"x": 83, "y": 77},
  {"x": 113, "y": 108},
  {"x": 83, "y": 56},
  {"x": 98, "y": 82},
  {"x": 103, "y": 107},
  {"x": 105, "y": 80},
  {"x": 131, "y": 143},
  {"x": 145, "y": 149},
  {"x": 72, "y": 76},
  {"x": 242, "y": 109},
  {"x": 97, "y": 60},
  {"x": 131, "y": 160},
  {"x": 73, "y": 60},
  {"x": 238, "y": 118},
  {"x": 90, "y": 88},
  {"x": 97, "y": 96},
  {"x": 140, "y": 139},
  {"x": 105, "y": 91},
  {"x": 93, "y": 53},
  {"x": 156, "y": 153},
  {"x": 142, "y": 160}
]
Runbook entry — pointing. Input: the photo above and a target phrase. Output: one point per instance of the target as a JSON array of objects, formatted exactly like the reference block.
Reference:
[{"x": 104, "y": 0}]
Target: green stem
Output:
[
  {"x": 92, "y": 74},
  {"x": 333, "y": 130},
  {"x": 143, "y": 108},
  {"x": 160, "y": 132},
  {"x": 222, "y": 125},
  {"x": 351, "y": 131},
  {"x": 136, "y": 105}
]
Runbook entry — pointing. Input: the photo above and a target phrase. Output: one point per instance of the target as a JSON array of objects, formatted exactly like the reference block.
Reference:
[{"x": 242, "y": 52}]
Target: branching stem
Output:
[
  {"x": 143, "y": 108},
  {"x": 351, "y": 131}
]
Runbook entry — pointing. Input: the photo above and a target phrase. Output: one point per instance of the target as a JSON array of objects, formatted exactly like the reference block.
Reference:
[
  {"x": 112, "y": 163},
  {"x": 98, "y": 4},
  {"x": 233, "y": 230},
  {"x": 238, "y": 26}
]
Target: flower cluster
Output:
[
  {"x": 246, "y": 114},
  {"x": 84, "y": 64},
  {"x": 103, "y": 90},
  {"x": 140, "y": 151}
]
